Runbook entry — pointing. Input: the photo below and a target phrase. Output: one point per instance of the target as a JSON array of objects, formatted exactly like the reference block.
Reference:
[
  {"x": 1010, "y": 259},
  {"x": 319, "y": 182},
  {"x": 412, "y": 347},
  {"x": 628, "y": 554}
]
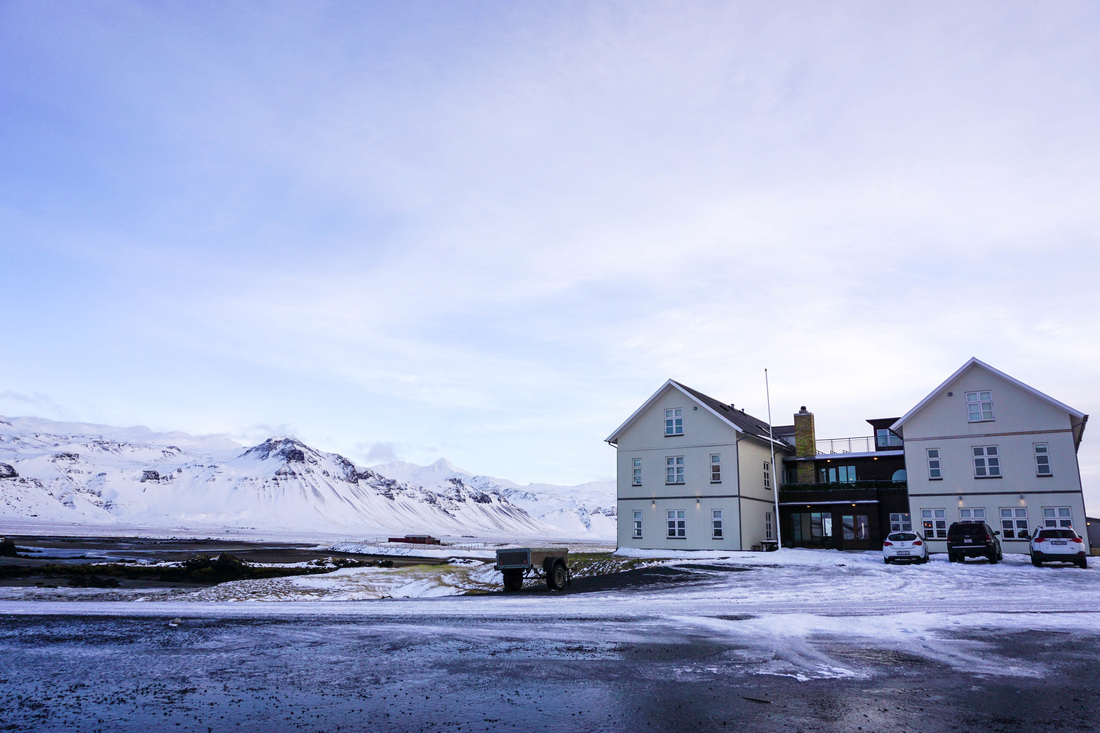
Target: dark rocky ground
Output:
[
  {"x": 132, "y": 549},
  {"x": 123, "y": 562},
  {"x": 492, "y": 673}
]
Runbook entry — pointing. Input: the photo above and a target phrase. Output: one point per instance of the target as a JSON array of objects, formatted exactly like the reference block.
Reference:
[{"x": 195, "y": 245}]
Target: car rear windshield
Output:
[
  {"x": 969, "y": 528},
  {"x": 1068, "y": 534},
  {"x": 902, "y": 537}
]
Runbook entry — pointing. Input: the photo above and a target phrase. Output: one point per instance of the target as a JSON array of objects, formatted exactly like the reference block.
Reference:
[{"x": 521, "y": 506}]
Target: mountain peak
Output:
[
  {"x": 445, "y": 466},
  {"x": 289, "y": 449}
]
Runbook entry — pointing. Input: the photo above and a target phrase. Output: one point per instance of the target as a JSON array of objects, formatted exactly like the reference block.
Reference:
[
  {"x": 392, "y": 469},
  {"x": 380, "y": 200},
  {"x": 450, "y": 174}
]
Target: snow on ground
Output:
[
  {"x": 357, "y": 584},
  {"x": 783, "y": 612}
]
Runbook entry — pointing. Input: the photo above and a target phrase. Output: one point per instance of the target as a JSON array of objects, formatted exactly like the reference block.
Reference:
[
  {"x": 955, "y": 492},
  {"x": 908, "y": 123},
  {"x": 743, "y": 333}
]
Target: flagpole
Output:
[{"x": 775, "y": 468}]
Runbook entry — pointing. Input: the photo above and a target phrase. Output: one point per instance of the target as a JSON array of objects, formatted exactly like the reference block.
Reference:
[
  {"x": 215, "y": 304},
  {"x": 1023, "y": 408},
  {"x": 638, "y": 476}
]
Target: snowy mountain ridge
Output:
[
  {"x": 84, "y": 474},
  {"x": 587, "y": 509}
]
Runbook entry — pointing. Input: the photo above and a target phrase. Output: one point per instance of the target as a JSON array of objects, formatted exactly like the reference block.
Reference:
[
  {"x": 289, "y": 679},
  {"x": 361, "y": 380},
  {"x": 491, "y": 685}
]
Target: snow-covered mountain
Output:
[
  {"x": 100, "y": 475},
  {"x": 575, "y": 511}
]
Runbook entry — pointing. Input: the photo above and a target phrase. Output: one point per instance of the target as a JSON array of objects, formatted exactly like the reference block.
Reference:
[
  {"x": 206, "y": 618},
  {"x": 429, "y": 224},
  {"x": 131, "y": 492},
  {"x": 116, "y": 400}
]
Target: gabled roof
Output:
[
  {"x": 1079, "y": 417},
  {"x": 739, "y": 420}
]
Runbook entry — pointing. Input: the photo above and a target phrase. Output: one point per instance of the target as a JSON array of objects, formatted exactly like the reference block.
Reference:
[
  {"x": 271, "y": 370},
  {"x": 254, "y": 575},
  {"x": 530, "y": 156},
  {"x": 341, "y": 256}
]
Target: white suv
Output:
[{"x": 1057, "y": 544}]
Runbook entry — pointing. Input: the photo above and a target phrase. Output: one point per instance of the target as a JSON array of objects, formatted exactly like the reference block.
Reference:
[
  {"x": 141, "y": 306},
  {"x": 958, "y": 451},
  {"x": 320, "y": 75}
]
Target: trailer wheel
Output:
[
  {"x": 513, "y": 579},
  {"x": 555, "y": 579}
]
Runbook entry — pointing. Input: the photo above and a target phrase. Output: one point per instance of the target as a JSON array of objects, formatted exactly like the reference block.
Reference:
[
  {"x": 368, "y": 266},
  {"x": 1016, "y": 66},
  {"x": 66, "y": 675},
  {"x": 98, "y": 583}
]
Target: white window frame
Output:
[
  {"x": 767, "y": 476},
  {"x": 901, "y": 522},
  {"x": 716, "y": 468},
  {"x": 934, "y": 523},
  {"x": 1042, "y": 460},
  {"x": 972, "y": 514},
  {"x": 674, "y": 421},
  {"x": 674, "y": 470},
  {"x": 637, "y": 526},
  {"x": 716, "y": 524},
  {"x": 979, "y": 406},
  {"x": 636, "y": 478},
  {"x": 935, "y": 467},
  {"x": 1014, "y": 522},
  {"x": 769, "y": 533},
  {"x": 677, "y": 524},
  {"x": 1058, "y": 516},
  {"x": 987, "y": 461}
]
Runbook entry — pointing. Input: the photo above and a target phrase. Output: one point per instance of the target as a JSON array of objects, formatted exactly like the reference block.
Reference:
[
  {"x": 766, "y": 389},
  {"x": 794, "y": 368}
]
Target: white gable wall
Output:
[
  {"x": 1021, "y": 419},
  {"x": 704, "y": 435}
]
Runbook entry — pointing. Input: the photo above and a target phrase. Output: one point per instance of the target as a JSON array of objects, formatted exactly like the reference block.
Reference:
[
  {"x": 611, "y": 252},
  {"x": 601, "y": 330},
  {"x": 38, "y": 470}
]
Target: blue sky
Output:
[{"x": 489, "y": 231}]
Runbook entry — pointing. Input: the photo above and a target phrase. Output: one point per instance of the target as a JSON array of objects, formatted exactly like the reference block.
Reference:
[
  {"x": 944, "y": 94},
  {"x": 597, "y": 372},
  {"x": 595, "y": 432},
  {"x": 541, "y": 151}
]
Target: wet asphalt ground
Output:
[{"x": 470, "y": 673}]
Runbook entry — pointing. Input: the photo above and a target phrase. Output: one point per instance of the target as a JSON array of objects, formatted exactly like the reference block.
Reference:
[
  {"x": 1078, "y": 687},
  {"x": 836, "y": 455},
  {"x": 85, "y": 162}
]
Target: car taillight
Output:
[
  {"x": 918, "y": 542},
  {"x": 887, "y": 544},
  {"x": 1078, "y": 540},
  {"x": 989, "y": 538},
  {"x": 1040, "y": 539}
]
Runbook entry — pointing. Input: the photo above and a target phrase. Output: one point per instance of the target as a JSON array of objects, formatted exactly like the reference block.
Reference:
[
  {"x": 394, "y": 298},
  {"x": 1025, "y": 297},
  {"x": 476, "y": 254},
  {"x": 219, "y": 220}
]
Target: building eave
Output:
[
  {"x": 671, "y": 383},
  {"x": 976, "y": 362}
]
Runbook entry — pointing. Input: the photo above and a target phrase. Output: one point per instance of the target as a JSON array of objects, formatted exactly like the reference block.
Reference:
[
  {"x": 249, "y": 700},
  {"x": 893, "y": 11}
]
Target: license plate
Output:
[
  {"x": 1058, "y": 542},
  {"x": 968, "y": 541},
  {"x": 903, "y": 552}
]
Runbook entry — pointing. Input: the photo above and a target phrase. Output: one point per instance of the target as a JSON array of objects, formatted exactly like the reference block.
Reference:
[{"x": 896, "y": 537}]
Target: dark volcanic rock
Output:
[
  {"x": 7, "y": 471},
  {"x": 288, "y": 449}
]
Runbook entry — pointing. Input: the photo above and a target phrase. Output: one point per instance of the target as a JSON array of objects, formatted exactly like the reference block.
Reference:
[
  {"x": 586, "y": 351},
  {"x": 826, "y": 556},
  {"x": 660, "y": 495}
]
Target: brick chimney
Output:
[{"x": 805, "y": 445}]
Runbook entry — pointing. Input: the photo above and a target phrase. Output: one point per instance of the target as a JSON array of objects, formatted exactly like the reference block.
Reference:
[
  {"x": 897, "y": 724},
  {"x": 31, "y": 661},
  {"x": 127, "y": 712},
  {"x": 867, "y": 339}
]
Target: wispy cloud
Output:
[{"x": 499, "y": 228}]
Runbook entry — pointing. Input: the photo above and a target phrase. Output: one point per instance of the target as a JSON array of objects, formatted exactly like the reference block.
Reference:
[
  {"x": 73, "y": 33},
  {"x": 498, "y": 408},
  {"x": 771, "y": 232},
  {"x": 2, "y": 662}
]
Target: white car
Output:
[
  {"x": 1058, "y": 544},
  {"x": 908, "y": 546}
]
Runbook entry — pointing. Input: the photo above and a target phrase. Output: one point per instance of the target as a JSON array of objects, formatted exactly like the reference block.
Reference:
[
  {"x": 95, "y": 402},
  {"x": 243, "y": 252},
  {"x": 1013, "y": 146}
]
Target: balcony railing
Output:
[
  {"x": 843, "y": 486},
  {"x": 861, "y": 444},
  {"x": 830, "y": 446}
]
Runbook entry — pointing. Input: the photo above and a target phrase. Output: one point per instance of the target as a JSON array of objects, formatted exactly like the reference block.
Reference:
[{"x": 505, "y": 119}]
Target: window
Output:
[
  {"x": 637, "y": 480},
  {"x": 674, "y": 421},
  {"x": 637, "y": 524},
  {"x": 715, "y": 468},
  {"x": 901, "y": 523},
  {"x": 885, "y": 439},
  {"x": 836, "y": 474},
  {"x": 1057, "y": 516},
  {"x": 768, "y": 533},
  {"x": 1014, "y": 523},
  {"x": 979, "y": 406},
  {"x": 1042, "y": 460},
  {"x": 987, "y": 464},
  {"x": 934, "y": 523},
  {"x": 856, "y": 527},
  {"x": 972, "y": 514},
  {"x": 716, "y": 524},
  {"x": 767, "y": 476},
  {"x": 810, "y": 527},
  {"x": 674, "y": 470},
  {"x": 677, "y": 524},
  {"x": 934, "y": 471}
]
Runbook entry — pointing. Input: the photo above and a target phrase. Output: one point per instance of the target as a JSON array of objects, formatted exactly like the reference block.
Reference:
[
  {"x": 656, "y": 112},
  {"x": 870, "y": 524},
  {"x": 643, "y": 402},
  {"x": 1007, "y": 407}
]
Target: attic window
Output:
[
  {"x": 979, "y": 406},
  {"x": 674, "y": 421}
]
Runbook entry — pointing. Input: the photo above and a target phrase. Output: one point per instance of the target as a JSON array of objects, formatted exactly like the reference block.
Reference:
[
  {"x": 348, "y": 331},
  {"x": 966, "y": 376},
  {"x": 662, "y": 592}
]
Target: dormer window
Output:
[
  {"x": 979, "y": 406},
  {"x": 674, "y": 421}
]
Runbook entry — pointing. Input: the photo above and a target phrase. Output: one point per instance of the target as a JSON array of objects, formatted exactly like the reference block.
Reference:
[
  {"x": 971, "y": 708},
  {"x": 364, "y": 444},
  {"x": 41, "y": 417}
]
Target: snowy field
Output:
[{"x": 789, "y": 635}]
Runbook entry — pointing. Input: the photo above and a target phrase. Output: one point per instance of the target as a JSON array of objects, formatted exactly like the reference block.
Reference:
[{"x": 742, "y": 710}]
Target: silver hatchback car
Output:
[{"x": 904, "y": 546}]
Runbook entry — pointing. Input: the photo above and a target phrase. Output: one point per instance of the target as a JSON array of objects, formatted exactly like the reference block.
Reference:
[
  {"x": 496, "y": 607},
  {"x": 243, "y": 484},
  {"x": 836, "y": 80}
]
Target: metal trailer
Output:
[{"x": 537, "y": 562}]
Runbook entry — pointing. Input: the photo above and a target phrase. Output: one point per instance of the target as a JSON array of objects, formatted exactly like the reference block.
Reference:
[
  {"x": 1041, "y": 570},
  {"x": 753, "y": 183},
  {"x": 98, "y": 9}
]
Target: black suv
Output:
[{"x": 973, "y": 539}]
